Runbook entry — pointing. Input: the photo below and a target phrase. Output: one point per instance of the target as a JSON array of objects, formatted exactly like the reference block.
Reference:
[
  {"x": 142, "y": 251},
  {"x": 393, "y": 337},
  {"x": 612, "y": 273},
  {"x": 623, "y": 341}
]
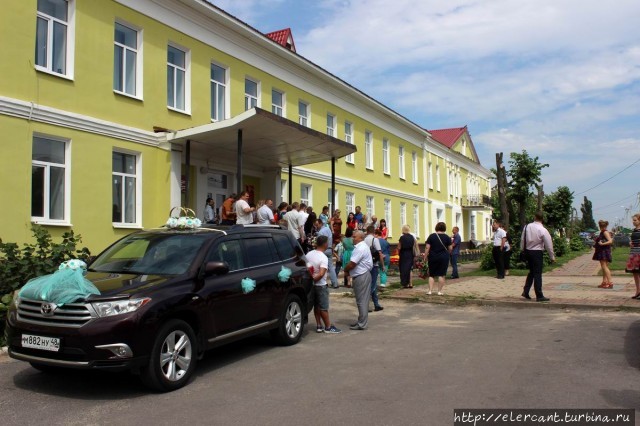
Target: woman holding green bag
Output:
[{"x": 385, "y": 248}]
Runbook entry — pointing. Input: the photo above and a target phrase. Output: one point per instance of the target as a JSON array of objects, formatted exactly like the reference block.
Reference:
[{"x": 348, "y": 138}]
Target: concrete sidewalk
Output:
[{"x": 574, "y": 285}]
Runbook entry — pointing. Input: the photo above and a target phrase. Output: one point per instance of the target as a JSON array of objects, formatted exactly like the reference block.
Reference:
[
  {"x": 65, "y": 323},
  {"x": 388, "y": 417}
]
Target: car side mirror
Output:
[{"x": 216, "y": 268}]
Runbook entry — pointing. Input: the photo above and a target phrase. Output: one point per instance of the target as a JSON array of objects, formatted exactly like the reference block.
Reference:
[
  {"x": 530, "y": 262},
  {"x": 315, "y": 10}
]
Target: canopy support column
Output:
[
  {"x": 239, "y": 164},
  {"x": 333, "y": 185},
  {"x": 290, "y": 185},
  {"x": 187, "y": 179}
]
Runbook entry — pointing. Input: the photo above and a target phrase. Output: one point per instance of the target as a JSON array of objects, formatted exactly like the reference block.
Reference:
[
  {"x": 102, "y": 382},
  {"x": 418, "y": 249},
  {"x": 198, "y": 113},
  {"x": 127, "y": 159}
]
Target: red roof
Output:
[
  {"x": 448, "y": 137},
  {"x": 284, "y": 38}
]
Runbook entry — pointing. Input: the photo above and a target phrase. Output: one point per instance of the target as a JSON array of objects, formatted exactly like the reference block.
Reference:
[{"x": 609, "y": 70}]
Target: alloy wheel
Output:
[
  {"x": 175, "y": 355},
  {"x": 293, "y": 319}
]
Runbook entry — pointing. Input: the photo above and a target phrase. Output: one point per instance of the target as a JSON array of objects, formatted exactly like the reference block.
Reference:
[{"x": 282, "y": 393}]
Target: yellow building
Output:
[{"x": 121, "y": 109}]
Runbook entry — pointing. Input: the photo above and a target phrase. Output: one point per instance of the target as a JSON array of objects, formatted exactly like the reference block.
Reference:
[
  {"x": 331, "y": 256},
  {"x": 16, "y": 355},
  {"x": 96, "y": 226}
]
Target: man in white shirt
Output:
[
  {"x": 244, "y": 212},
  {"x": 265, "y": 213},
  {"x": 378, "y": 262},
  {"x": 294, "y": 223},
  {"x": 359, "y": 268},
  {"x": 325, "y": 231},
  {"x": 499, "y": 240},
  {"x": 318, "y": 266},
  {"x": 303, "y": 213},
  {"x": 209, "y": 215},
  {"x": 538, "y": 239}
]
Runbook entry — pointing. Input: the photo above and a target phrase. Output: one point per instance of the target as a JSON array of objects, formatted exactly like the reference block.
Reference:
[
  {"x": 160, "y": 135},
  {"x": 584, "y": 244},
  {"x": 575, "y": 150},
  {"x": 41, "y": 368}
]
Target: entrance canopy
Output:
[
  {"x": 260, "y": 140},
  {"x": 267, "y": 141}
]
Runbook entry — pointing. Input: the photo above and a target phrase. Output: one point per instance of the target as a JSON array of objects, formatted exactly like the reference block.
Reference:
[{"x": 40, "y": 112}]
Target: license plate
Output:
[{"x": 38, "y": 342}]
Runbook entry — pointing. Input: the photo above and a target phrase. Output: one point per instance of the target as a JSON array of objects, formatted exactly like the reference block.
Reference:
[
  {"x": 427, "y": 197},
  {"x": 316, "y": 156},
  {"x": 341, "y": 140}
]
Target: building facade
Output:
[{"x": 93, "y": 94}]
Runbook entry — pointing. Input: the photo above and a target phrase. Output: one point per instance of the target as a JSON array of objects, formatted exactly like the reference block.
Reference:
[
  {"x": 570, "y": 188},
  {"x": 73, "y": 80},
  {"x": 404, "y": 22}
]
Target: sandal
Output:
[
  {"x": 608, "y": 285},
  {"x": 636, "y": 296},
  {"x": 603, "y": 285}
]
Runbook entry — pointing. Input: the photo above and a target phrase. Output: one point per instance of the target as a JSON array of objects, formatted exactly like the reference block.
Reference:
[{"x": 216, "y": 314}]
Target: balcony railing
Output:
[{"x": 476, "y": 200}]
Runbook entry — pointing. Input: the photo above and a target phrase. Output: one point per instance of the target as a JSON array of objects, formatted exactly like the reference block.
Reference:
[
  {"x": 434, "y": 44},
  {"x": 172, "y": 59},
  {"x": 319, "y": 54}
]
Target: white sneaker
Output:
[
  {"x": 440, "y": 293},
  {"x": 429, "y": 293}
]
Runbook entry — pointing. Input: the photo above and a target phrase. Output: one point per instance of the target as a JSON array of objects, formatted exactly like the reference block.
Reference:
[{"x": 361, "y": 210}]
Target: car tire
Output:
[
  {"x": 45, "y": 368},
  {"x": 291, "y": 322},
  {"x": 170, "y": 369}
]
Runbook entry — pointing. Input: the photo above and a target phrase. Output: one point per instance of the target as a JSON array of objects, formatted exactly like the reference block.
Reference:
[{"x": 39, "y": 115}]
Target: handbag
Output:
[
  {"x": 524, "y": 256},
  {"x": 416, "y": 248}
]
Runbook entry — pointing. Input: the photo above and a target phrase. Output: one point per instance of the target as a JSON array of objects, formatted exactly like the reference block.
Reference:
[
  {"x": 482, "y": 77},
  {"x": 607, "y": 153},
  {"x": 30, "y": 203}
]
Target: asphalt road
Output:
[{"x": 415, "y": 364}]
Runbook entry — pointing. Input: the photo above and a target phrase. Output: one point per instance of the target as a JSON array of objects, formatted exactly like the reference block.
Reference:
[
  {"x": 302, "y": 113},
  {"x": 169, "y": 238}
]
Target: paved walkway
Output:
[{"x": 573, "y": 285}]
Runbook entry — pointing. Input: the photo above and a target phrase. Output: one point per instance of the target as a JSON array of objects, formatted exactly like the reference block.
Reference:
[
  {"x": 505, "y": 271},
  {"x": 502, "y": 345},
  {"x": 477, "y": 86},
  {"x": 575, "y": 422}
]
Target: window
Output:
[
  {"x": 329, "y": 204},
  {"x": 472, "y": 227},
  {"x": 177, "y": 78},
  {"x": 438, "y": 177},
  {"x": 368, "y": 150},
  {"x": 230, "y": 252},
  {"x": 331, "y": 125},
  {"x": 403, "y": 213},
  {"x": 49, "y": 180},
  {"x": 303, "y": 112},
  {"x": 458, "y": 217},
  {"x": 348, "y": 137},
  {"x": 125, "y": 190},
  {"x": 350, "y": 203},
  {"x": 414, "y": 167},
  {"x": 450, "y": 181},
  {"x": 277, "y": 102},
  {"x": 259, "y": 251},
  {"x": 250, "y": 94},
  {"x": 305, "y": 194},
  {"x": 286, "y": 250},
  {"x": 439, "y": 213},
  {"x": 127, "y": 60},
  {"x": 370, "y": 207},
  {"x": 416, "y": 220},
  {"x": 387, "y": 215},
  {"x": 218, "y": 93},
  {"x": 385, "y": 156},
  {"x": 430, "y": 171},
  {"x": 54, "y": 36},
  {"x": 401, "y": 162}
]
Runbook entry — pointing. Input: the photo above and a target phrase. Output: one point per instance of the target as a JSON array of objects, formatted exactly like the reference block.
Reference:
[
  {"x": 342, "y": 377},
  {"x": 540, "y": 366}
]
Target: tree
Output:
[
  {"x": 501, "y": 177},
  {"x": 525, "y": 173},
  {"x": 587, "y": 214},
  {"x": 557, "y": 209}
]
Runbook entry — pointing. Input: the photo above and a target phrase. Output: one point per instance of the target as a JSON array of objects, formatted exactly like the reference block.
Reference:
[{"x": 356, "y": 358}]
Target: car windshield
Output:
[{"x": 151, "y": 254}]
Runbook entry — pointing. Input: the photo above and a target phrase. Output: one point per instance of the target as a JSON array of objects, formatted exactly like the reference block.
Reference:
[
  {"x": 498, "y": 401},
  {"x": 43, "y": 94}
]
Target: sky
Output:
[{"x": 559, "y": 78}]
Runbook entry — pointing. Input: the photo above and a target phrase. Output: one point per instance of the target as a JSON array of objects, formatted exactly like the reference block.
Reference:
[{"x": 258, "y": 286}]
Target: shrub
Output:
[
  {"x": 560, "y": 246},
  {"x": 486, "y": 259},
  {"x": 19, "y": 265},
  {"x": 576, "y": 244}
]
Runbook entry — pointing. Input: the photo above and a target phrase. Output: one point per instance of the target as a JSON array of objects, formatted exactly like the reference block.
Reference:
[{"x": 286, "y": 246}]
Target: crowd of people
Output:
[{"x": 363, "y": 253}]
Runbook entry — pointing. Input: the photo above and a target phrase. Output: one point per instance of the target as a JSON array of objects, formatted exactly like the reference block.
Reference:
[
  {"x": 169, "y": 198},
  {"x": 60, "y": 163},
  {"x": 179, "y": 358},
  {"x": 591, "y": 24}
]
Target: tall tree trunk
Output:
[
  {"x": 540, "y": 197},
  {"x": 502, "y": 190}
]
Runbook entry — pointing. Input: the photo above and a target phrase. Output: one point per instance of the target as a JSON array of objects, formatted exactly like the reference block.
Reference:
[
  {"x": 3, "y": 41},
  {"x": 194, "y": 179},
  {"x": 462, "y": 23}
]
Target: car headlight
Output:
[{"x": 117, "y": 307}]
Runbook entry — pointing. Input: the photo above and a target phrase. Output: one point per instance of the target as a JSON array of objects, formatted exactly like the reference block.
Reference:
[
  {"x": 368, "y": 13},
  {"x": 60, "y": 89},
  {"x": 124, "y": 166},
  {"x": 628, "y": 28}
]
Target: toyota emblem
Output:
[{"x": 48, "y": 309}]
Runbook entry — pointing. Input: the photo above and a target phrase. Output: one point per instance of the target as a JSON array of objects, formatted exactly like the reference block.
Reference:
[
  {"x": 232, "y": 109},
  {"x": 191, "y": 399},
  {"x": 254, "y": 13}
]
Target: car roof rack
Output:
[{"x": 256, "y": 225}]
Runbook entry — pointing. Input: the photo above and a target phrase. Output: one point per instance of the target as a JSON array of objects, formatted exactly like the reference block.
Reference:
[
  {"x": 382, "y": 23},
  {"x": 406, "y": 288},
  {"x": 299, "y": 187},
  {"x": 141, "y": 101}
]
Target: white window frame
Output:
[
  {"x": 368, "y": 150},
  {"x": 309, "y": 199},
  {"x": 331, "y": 125},
  {"x": 187, "y": 79},
  {"x": 416, "y": 220},
  {"x": 437, "y": 177},
  {"x": 370, "y": 206},
  {"x": 430, "y": 171},
  {"x": 329, "y": 200},
  {"x": 403, "y": 213},
  {"x": 387, "y": 215},
  {"x": 386, "y": 169},
  {"x": 414, "y": 167},
  {"x": 450, "y": 182},
  {"x": 224, "y": 86},
  {"x": 248, "y": 98},
  {"x": 138, "y": 177},
  {"x": 46, "y": 220},
  {"x": 279, "y": 110},
  {"x": 350, "y": 203},
  {"x": 401, "y": 170},
  {"x": 70, "y": 42},
  {"x": 139, "y": 62},
  {"x": 439, "y": 215},
  {"x": 304, "y": 120},
  {"x": 348, "y": 137}
]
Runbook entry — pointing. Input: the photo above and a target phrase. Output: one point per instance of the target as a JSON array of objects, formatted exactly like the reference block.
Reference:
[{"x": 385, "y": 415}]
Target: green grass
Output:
[
  {"x": 620, "y": 257},
  {"x": 523, "y": 272}
]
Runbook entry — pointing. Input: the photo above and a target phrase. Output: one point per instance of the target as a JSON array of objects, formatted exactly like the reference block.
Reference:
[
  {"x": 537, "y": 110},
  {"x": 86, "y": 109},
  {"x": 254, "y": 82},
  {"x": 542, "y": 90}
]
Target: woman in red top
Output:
[
  {"x": 383, "y": 228},
  {"x": 351, "y": 221},
  {"x": 335, "y": 224}
]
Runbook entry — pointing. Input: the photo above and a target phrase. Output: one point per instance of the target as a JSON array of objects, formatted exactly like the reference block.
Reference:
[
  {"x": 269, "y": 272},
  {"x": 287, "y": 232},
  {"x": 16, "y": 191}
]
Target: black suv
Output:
[{"x": 166, "y": 297}]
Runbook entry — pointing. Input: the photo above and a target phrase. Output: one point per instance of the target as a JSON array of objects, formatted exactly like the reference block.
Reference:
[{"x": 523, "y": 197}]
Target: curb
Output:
[{"x": 460, "y": 301}]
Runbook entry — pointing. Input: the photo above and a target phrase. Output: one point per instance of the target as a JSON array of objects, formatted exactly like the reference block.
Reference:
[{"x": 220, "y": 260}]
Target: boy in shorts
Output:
[{"x": 318, "y": 265}]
